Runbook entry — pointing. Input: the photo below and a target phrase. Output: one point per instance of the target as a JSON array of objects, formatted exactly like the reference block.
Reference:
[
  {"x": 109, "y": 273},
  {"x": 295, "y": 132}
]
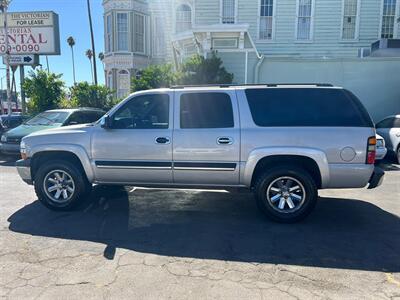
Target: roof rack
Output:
[{"x": 250, "y": 84}]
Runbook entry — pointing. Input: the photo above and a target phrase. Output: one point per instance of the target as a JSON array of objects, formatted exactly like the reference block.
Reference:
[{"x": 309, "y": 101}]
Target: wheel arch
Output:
[
  {"x": 76, "y": 155},
  {"x": 312, "y": 160}
]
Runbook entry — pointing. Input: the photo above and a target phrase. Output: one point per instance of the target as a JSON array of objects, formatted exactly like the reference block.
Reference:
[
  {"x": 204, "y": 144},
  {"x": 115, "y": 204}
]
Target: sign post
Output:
[
  {"x": 24, "y": 37},
  {"x": 4, "y": 5},
  {"x": 22, "y": 80}
]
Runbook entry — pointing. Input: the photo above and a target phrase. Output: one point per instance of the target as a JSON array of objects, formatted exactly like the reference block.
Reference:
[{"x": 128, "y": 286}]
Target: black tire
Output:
[
  {"x": 398, "y": 155},
  {"x": 307, "y": 190},
  {"x": 81, "y": 186}
]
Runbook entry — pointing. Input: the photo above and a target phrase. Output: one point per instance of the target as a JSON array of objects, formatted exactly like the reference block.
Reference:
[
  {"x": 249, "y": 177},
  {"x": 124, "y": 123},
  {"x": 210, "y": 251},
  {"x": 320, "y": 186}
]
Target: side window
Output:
[
  {"x": 397, "y": 123},
  {"x": 206, "y": 110},
  {"x": 387, "y": 123},
  {"x": 75, "y": 118},
  {"x": 92, "y": 116},
  {"x": 143, "y": 112},
  {"x": 14, "y": 122},
  {"x": 306, "y": 107}
]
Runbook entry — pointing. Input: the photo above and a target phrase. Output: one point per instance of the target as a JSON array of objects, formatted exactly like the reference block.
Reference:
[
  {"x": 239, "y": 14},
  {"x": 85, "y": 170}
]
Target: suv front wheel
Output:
[
  {"x": 60, "y": 185},
  {"x": 286, "y": 194}
]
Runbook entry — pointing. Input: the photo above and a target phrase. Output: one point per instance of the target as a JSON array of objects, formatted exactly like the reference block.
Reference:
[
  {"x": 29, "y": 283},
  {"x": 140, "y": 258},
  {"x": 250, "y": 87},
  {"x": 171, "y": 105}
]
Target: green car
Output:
[{"x": 11, "y": 140}]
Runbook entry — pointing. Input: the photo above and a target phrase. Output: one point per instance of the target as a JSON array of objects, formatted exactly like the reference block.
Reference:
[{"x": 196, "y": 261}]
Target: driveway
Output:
[{"x": 162, "y": 244}]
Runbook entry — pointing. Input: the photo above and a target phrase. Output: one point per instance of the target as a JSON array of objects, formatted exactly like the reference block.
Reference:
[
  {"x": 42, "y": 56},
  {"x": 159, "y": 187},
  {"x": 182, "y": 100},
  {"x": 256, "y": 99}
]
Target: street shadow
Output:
[
  {"x": 388, "y": 166},
  {"x": 340, "y": 233}
]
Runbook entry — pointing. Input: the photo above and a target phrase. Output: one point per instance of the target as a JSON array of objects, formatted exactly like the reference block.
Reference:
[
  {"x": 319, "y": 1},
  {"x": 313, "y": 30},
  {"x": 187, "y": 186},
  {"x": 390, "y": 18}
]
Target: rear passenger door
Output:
[{"x": 206, "y": 138}]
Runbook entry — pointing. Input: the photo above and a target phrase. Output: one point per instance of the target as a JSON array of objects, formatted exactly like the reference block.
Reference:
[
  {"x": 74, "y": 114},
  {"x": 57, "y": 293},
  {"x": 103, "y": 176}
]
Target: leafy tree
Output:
[
  {"x": 200, "y": 70},
  {"x": 84, "y": 94},
  {"x": 155, "y": 76},
  {"x": 45, "y": 90},
  {"x": 196, "y": 70}
]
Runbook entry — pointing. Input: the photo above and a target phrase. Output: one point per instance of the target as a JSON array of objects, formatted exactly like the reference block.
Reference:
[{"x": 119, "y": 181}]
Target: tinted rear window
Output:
[
  {"x": 206, "y": 110},
  {"x": 306, "y": 107}
]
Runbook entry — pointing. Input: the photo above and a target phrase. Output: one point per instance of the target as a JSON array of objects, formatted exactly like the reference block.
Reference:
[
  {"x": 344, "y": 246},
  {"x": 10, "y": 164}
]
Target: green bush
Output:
[
  {"x": 45, "y": 91},
  {"x": 84, "y": 94}
]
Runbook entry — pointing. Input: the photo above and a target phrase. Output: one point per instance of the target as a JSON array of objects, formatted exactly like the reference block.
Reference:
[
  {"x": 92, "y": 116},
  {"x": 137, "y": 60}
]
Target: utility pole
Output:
[
  {"x": 92, "y": 38},
  {"x": 3, "y": 7}
]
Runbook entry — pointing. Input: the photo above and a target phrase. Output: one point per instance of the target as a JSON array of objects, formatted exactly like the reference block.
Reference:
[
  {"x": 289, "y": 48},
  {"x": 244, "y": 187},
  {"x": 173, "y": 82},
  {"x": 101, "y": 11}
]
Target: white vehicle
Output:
[
  {"x": 389, "y": 129},
  {"x": 381, "y": 150}
]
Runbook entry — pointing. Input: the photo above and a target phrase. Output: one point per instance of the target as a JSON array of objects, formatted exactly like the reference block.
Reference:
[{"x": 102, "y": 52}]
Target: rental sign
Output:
[{"x": 31, "y": 33}]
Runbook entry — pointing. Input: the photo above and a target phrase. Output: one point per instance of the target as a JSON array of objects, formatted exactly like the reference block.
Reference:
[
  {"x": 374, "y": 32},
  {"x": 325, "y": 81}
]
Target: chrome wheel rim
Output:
[
  {"x": 59, "y": 186},
  {"x": 286, "y": 194}
]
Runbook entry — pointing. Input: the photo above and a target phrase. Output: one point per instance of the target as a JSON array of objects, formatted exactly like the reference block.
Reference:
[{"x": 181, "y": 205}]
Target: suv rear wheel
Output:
[
  {"x": 60, "y": 185},
  {"x": 286, "y": 194}
]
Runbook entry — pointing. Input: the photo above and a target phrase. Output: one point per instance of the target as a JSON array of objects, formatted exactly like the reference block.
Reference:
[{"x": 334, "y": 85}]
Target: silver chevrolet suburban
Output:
[{"x": 282, "y": 141}]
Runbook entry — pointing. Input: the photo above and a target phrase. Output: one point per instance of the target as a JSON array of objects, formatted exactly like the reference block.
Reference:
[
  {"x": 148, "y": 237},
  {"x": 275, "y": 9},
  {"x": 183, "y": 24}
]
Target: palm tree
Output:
[
  {"x": 92, "y": 38},
  {"x": 89, "y": 55},
  {"x": 101, "y": 57},
  {"x": 71, "y": 43}
]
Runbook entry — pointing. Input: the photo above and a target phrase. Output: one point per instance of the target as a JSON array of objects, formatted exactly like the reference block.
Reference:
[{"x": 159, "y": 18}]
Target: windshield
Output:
[{"x": 48, "y": 118}]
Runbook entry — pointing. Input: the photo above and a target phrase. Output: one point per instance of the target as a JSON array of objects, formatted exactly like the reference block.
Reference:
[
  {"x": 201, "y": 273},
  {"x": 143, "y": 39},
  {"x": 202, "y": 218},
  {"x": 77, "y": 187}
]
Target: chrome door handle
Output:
[
  {"x": 163, "y": 140},
  {"x": 224, "y": 140}
]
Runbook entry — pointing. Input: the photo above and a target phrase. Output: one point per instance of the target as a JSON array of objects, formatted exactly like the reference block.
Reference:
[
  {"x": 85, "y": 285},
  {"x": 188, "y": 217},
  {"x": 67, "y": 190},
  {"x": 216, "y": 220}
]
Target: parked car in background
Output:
[
  {"x": 381, "y": 150},
  {"x": 389, "y": 129},
  {"x": 9, "y": 122},
  {"x": 284, "y": 142},
  {"x": 10, "y": 141}
]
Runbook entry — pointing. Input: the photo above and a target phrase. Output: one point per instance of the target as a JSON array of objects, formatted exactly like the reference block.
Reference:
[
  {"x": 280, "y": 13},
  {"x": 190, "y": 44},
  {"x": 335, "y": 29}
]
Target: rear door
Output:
[{"x": 206, "y": 138}]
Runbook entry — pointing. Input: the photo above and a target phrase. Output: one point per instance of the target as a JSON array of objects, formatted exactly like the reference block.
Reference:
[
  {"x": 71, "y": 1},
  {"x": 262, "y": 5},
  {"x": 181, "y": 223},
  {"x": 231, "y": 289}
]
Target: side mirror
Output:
[
  {"x": 73, "y": 123},
  {"x": 105, "y": 122}
]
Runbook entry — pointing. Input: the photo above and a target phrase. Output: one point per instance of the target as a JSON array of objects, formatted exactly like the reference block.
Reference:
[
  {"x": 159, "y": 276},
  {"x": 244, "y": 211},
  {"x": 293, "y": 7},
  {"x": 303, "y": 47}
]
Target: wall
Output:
[{"x": 326, "y": 31}]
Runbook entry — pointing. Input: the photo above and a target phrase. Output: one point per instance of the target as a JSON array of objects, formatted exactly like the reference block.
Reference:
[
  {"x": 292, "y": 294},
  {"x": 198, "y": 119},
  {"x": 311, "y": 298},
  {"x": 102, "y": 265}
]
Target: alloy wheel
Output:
[
  {"x": 59, "y": 186},
  {"x": 286, "y": 194}
]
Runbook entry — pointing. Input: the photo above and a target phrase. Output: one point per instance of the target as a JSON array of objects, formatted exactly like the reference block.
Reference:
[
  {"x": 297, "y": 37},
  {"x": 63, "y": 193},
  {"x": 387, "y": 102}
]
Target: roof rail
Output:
[{"x": 249, "y": 84}]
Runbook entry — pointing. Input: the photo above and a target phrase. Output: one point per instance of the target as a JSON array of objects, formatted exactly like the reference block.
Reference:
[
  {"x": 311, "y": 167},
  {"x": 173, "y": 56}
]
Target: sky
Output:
[{"x": 73, "y": 18}]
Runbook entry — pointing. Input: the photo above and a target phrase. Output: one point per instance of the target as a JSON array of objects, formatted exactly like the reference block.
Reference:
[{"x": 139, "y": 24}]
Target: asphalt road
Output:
[{"x": 160, "y": 244}]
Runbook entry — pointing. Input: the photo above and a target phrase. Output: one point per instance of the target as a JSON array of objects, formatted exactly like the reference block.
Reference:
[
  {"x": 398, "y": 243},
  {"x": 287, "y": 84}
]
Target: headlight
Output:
[
  {"x": 23, "y": 151},
  {"x": 3, "y": 138}
]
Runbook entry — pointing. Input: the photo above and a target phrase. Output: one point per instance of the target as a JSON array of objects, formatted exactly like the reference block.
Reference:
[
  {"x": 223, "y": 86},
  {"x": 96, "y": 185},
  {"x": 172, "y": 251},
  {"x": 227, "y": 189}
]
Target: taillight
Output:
[{"x": 371, "y": 150}]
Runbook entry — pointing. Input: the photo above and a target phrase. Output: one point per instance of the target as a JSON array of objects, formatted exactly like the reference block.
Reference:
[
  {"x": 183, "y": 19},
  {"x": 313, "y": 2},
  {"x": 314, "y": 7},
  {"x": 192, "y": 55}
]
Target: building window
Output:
[
  {"x": 388, "y": 19},
  {"x": 228, "y": 11},
  {"x": 122, "y": 31},
  {"x": 139, "y": 33},
  {"x": 108, "y": 33},
  {"x": 349, "y": 26},
  {"x": 266, "y": 19},
  {"x": 124, "y": 84},
  {"x": 304, "y": 19},
  {"x": 183, "y": 18}
]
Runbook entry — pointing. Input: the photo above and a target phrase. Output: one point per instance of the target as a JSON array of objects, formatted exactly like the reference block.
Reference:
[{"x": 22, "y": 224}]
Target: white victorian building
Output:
[{"x": 127, "y": 42}]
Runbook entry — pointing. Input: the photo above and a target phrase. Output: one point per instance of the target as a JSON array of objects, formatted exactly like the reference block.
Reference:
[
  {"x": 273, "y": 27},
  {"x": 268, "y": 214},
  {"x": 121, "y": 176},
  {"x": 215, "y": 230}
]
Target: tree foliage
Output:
[
  {"x": 84, "y": 94},
  {"x": 45, "y": 90},
  {"x": 196, "y": 70},
  {"x": 154, "y": 76},
  {"x": 200, "y": 70}
]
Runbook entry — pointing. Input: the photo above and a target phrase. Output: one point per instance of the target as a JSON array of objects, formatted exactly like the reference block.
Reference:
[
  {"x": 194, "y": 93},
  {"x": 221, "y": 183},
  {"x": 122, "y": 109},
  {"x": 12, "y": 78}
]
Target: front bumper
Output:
[
  {"x": 376, "y": 178},
  {"x": 24, "y": 170},
  {"x": 10, "y": 149},
  {"x": 381, "y": 153}
]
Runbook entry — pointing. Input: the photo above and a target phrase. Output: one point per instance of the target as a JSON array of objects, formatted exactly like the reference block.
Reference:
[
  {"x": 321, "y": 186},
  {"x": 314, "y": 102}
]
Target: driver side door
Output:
[{"x": 137, "y": 147}]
